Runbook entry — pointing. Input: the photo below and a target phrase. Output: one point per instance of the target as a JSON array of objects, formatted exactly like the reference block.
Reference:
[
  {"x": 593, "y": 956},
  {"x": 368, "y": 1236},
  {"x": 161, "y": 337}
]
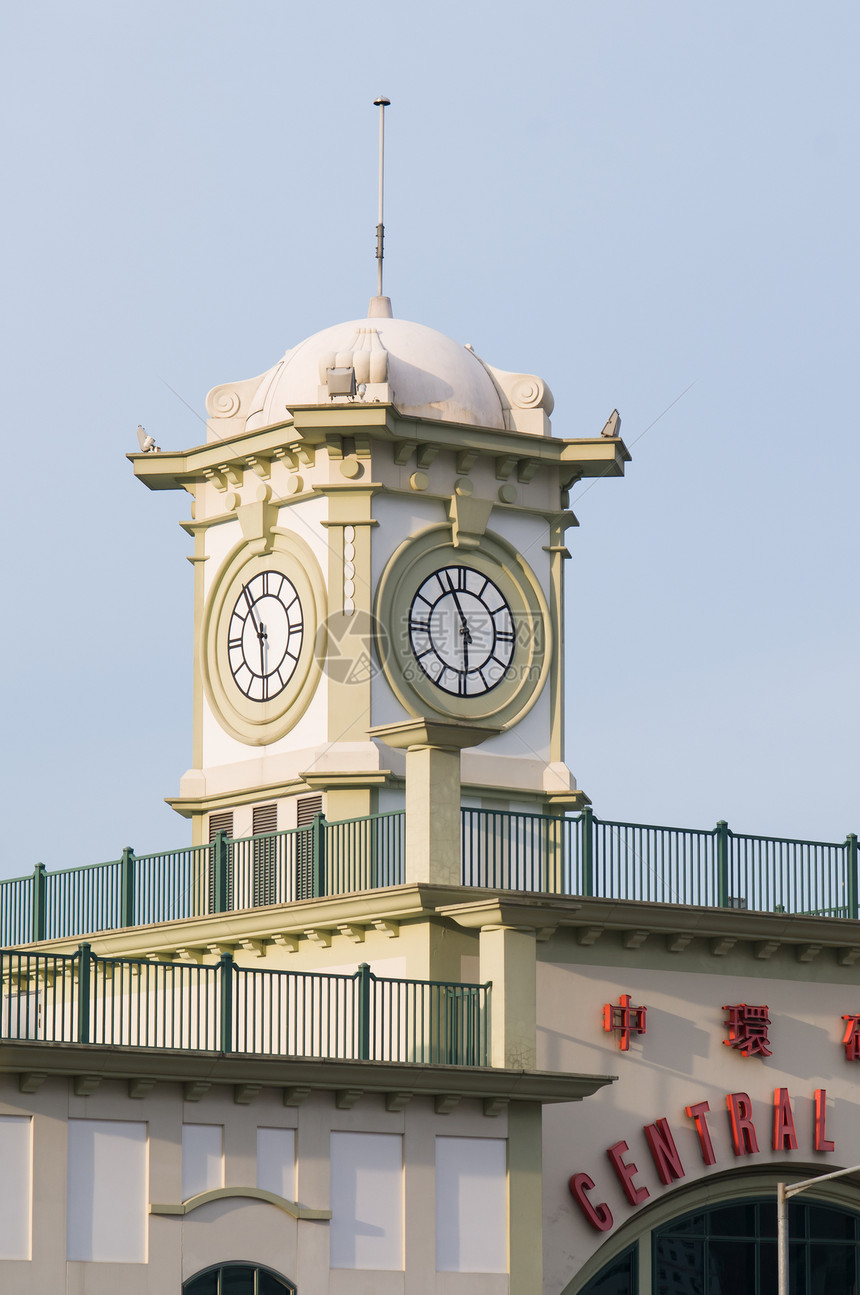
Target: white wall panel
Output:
[
  {"x": 107, "y": 1191},
  {"x": 202, "y": 1158},
  {"x": 276, "y": 1161},
  {"x": 16, "y": 1186},
  {"x": 471, "y": 1208},
  {"x": 367, "y": 1200}
]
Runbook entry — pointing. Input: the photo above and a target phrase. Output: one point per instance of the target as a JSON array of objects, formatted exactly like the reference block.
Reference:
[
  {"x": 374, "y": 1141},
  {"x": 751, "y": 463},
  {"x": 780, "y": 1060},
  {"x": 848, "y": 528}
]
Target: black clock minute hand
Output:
[
  {"x": 254, "y": 620},
  {"x": 464, "y": 624},
  {"x": 259, "y": 628}
]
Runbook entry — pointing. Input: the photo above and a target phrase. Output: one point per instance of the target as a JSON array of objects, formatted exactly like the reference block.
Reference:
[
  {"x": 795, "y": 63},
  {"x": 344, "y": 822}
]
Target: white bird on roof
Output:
[{"x": 145, "y": 442}]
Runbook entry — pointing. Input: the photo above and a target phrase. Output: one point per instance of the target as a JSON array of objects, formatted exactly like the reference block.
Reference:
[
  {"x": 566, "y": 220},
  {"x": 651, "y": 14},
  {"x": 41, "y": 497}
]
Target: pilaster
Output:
[
  {"x": 525, "y": 1203},
  {"x": 508, "y": 959},
  {"x": 349, "y": 666},
  {"x": 432, "y": 792}
]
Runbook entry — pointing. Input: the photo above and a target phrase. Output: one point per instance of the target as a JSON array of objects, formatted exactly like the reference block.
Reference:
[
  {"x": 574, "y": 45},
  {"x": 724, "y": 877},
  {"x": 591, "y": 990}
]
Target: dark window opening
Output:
[{"x": 238, "y": 1279}]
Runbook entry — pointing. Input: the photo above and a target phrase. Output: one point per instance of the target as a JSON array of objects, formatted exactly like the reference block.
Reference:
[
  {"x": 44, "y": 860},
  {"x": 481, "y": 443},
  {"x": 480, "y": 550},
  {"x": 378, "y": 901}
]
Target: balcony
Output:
[
  {"x": 81, "y": 998},
  {"x": 578, "y": 855}
]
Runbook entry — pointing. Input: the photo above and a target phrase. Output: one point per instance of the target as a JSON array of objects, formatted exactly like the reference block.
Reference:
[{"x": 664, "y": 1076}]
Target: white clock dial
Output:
[
  {"x": 264, "y": 635},
  {"x": 461, "y": 630}
]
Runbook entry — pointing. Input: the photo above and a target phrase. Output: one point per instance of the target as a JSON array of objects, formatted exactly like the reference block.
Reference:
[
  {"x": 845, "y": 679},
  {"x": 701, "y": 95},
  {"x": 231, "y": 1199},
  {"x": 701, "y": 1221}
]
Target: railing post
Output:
[
  {"x": 221, "y": 864},
  {"x": 318, "y": 848},
  {"x": 722, "y": 835},
  {"x": 587, "y": 821},
  {"x": 126, "y": 888},
  {"x": 84, "y": 976},
  {"x": 364, "y": 1011},
  {"x": 40, "y": 903},
  {"x": 226, "y": 973},
  {"x": 851, "y": 870}
]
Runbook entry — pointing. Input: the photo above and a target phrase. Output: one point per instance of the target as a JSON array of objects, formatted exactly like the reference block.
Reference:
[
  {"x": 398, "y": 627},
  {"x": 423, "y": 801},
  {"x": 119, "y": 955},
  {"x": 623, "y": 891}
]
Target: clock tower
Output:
[{"x": 379, "y": 539}]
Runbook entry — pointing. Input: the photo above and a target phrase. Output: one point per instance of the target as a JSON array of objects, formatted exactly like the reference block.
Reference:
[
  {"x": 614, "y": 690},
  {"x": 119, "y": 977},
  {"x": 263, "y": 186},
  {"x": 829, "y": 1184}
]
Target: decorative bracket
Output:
[
  {"x": 295, "y": 1096},
  {"x": 140, "y": 1087},
  {"x": 397, "y": 1101},
  {"x": 468, "y": 516},
  {"x": 86, "y": 1085},
  {"x": 444, "y": 1103},
  {"x": 194, "y": 1089},
  {"x": 244, "y": 1094},
  {"x": 352, "y": 931}
]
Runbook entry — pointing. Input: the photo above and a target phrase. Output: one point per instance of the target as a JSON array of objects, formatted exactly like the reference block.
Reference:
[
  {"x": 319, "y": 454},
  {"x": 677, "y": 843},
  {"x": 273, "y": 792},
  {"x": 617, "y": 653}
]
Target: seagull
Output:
[{"x": 145, "y": 442}]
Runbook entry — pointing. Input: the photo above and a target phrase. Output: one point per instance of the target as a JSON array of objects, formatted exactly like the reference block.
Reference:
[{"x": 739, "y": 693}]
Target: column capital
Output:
[
  {"x": 448, "y": 734},
  {"x": 515, "y": 914}
]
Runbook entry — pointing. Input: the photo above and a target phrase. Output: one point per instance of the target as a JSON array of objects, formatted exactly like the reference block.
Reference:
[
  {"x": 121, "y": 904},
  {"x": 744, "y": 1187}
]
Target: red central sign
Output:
[{"x": 667, "y": 1159}]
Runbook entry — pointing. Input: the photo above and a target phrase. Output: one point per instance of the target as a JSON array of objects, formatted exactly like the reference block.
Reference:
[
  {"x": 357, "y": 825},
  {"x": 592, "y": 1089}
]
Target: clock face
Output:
[
  {"x": 264, "y": 635},
  {"x": 468, "y": 632},
  {"x": 461, "y": 630}
]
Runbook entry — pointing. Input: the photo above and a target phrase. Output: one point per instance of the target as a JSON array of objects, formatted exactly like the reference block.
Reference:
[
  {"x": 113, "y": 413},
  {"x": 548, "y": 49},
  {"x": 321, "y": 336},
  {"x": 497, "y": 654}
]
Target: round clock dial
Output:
[
  {"x": 461, "y": 630},
  {"x": 264, "y": 635}
]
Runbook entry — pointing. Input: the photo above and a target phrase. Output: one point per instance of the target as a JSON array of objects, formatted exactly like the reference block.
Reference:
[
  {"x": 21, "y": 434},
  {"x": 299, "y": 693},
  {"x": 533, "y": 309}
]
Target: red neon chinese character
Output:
[
  {"x": 851, "y": 1038},
  {"x": 747, "y": 1029},
  {"x": 626, "y": 1020}
]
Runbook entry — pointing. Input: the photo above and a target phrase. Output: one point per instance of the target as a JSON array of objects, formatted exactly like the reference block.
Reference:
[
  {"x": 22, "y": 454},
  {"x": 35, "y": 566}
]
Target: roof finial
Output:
[{"x": 380, "y": 305}]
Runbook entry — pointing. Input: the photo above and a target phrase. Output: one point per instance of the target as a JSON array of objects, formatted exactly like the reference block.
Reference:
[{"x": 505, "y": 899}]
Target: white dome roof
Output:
[{"x": 418, "y": 370}]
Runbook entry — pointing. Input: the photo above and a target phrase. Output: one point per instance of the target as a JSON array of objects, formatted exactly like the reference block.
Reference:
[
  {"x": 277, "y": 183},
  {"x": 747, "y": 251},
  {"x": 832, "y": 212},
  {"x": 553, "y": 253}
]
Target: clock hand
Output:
[
  {"x": 262, "y": 635},
  {"x": 464, "y": 630},
  {"x": 254, "y": 620}
]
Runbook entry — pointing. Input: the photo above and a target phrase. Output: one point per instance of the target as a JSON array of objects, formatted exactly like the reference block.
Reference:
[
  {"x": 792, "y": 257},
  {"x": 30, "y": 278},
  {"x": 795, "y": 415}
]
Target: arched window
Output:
[
  {"x": 730, "y": 1249},
  {"x": 237, "y": 1279}
]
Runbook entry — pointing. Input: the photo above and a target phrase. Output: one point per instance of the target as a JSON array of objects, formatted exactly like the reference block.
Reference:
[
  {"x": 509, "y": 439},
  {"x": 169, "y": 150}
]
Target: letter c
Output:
[{"x": 599, "y": 1216}]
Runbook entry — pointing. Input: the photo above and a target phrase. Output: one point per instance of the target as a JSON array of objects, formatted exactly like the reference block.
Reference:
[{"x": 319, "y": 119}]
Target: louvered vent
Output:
[
  {"x": 220, "y": 823},
  {"x": 264, "y": 818},
  {"x": 307, "y": 809}
]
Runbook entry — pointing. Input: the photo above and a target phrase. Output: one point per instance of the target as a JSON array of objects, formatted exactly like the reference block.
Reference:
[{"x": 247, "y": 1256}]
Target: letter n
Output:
[{"x": 664, "y": 1152}]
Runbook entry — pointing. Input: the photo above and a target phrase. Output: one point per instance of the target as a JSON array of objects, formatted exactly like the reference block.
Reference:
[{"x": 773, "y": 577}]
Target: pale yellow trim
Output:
[
  {"x": 557, "y": 554},
  {"x": 588, "y": 456},
  {"x": 525, "y": 1189},
  {"x": 292, "y": 1208},
  {"x": 349, "y": 667},
  {"x": 219, "y": 519},
  {"x": 347, "y": 780},
  {"x": 189, "y": 806},
  {"x": 261, "y": 723},
  {"x": 197, "y": 807},
  {"x": 411, "y": 563}
]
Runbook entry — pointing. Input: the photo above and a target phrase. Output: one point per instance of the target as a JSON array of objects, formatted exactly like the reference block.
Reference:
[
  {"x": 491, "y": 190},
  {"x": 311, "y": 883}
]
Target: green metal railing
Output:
[
  {"x": 584, "y": 855},
  {"x": 227, "y": 874},
  {"x": 567, "y": 855},
  {"x": 128, "y": 1002}
]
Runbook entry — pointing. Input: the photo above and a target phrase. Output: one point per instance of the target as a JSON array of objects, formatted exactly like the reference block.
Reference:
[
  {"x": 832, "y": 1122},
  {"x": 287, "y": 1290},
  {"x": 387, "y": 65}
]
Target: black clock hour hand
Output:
[{"x": 262, "y": 636}]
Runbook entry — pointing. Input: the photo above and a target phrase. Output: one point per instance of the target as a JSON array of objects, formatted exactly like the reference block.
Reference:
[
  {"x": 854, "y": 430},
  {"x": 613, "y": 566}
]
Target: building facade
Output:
[{"x": 406, "y": 1017}]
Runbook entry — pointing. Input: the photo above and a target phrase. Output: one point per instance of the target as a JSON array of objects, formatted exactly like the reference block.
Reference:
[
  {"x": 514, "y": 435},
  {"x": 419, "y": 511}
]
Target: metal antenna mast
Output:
[{"x": 382, "y": 103}]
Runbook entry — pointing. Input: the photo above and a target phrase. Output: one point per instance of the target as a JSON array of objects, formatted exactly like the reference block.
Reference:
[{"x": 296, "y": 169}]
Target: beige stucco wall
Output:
[
  {"x": 241, "y": 1229},
  {"x": 682, "y": 1060}
]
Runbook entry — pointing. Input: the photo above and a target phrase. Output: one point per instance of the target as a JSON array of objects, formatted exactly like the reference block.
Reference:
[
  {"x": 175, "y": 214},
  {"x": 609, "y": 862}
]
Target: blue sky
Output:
[{"x": 626, "y": 198}]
